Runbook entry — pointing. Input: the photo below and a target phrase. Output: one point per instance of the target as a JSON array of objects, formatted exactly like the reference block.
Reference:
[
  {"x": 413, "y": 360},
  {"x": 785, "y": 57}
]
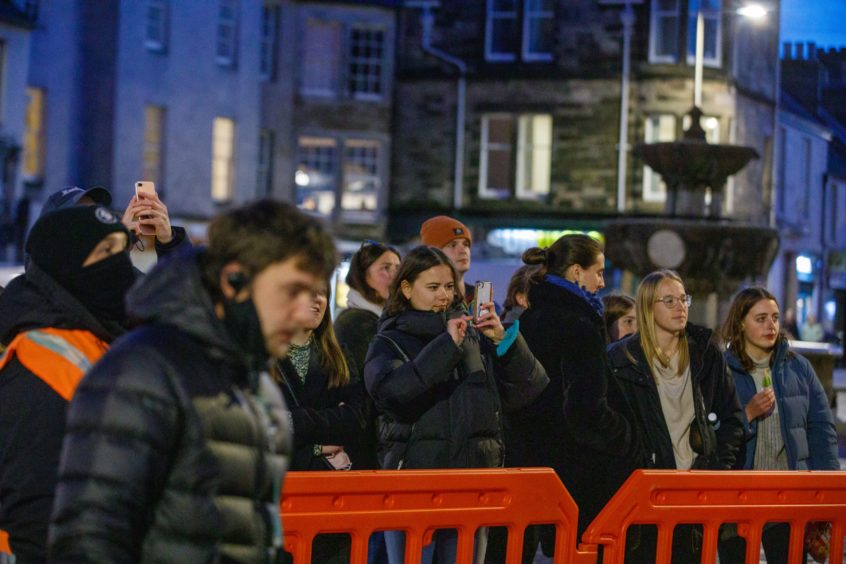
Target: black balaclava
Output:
[{"x": 59, "y": 243}]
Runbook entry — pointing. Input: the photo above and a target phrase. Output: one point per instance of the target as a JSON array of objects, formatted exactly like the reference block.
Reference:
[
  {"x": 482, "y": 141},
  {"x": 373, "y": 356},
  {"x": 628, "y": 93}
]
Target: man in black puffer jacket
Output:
[{"x": 177, "y": 439}]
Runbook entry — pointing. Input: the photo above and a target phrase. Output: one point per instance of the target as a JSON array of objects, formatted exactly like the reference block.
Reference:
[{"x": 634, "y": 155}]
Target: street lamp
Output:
[
  {"x": 627, "y": 17},
  {"x": 751, "y": 10}
]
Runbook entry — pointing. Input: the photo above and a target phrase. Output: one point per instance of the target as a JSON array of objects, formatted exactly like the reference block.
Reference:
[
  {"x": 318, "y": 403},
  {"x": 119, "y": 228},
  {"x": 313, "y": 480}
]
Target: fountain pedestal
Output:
[{"x": 713, "y": 255}]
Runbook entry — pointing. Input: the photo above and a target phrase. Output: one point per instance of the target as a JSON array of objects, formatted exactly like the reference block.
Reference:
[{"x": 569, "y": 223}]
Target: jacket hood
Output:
[
  {"x": 173, "y": 294},
  {"x": 34, "y": 300}
]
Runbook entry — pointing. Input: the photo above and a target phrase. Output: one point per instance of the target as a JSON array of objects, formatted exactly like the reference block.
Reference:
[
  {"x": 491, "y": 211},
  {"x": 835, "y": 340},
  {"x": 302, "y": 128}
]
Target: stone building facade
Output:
[{"x": 542, "y": 113}]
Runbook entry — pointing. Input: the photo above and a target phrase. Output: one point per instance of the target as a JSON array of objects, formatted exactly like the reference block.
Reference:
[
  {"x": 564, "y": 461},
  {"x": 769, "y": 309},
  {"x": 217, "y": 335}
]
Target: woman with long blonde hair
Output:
[{"x": 675, "y": 378}]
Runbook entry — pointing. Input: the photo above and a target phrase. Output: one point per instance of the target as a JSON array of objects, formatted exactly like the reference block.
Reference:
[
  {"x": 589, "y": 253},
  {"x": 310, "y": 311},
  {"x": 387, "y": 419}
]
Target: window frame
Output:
[
  {"x": 491, "y": 15},
  {"x": 268, "y": 42},
  {"x": 485, "y": 146},
  {"x": 659, "y": 194},
  {"x": 155, "y": 120},
  {"x": 715, "y": 15},
  {"x": 264, "y": 167},
  {"x": 654, "y": 15},
  {"x": 336, "y": 72},
  {"x": 319, "y": 140},
  {"x": 229, "y": 59},
  {"x": 347, "y": 62},
  {"x": 353, "y": 142},
  {"x": 222, "y": 193},
  {"x": 521, "y": 191},
  {"x": 163, "y": 27},
  {"x": 34, "y": 145},
  {"x": 540, "y": 56}
]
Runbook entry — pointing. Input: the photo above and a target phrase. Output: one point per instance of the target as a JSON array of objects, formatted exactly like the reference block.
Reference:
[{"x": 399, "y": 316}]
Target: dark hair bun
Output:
[{"x": 535, "y": 255}]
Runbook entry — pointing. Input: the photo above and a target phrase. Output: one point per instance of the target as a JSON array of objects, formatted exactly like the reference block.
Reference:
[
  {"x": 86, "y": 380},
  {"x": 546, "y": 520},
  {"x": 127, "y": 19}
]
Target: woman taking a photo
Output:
[
  {"x": 442, "y": 383},
  {"x": 328, "y": 412},
  {"x": 785, "y": 411},
  {"x": 686, "y": 409}
]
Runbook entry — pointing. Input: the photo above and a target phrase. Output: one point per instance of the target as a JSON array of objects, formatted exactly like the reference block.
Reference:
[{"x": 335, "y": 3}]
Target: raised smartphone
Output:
[
  {"x": 145, "y": 187},
  {"x": 483, "y": 295}
]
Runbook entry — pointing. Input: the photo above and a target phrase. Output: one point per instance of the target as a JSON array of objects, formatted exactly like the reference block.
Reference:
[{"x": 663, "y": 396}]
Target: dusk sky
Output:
[{"x": 821, "y": 21}]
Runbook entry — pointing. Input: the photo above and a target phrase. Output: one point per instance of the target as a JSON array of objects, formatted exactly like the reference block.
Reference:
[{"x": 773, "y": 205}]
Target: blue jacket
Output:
[{"x": 807, "y": 426}]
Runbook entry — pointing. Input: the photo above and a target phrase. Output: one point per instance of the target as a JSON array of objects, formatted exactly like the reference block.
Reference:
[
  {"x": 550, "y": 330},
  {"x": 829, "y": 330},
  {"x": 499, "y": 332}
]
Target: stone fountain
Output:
[{"x": 713, "y": 255}]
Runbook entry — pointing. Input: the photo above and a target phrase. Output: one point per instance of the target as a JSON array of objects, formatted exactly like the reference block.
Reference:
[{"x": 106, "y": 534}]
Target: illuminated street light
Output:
[{"x": 753, "y": 11}]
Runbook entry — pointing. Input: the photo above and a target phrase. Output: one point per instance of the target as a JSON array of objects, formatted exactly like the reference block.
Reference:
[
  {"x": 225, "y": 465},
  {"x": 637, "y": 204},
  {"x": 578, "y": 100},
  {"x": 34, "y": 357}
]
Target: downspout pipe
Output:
[{"x": 427, "y": 19}]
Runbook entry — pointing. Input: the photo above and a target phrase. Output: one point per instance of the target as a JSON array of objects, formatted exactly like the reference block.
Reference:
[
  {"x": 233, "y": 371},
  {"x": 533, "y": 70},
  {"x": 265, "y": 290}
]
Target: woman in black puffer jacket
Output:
[
  {"x": 580, "y": 425},
  {"x": 442, "y": 383}
]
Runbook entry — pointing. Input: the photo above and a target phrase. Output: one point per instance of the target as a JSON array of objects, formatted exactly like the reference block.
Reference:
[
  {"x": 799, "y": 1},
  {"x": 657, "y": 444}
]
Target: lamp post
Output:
[{"x": 627, "y": 16}]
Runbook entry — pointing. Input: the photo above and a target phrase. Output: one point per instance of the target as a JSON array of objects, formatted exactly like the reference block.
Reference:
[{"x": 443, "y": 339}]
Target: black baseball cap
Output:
[{"x": 71, "y": 195}]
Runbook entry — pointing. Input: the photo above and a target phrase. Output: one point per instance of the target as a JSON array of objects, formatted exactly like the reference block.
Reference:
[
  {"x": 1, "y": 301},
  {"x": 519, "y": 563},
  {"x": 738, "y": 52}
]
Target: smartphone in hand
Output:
[
  {"x": 145, "y": 187},
  {"x": 483, "y": 295}
]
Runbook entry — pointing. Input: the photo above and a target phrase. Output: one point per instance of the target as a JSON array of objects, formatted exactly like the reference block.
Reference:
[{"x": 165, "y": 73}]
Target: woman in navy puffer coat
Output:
[{"x": 786, "y": 416}]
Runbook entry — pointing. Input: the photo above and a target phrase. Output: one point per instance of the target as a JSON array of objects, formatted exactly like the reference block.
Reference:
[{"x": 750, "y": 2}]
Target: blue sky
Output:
[{"x": 821, "y": 21}]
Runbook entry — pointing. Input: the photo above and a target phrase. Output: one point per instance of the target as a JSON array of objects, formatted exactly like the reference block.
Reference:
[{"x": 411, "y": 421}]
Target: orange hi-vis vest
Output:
[{"x": 60, "y": 358}]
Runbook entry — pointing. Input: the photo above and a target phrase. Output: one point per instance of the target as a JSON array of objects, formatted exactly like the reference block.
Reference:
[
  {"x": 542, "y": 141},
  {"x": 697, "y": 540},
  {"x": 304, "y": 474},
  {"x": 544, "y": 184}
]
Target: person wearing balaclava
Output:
[{"x": 58, "y": 319}]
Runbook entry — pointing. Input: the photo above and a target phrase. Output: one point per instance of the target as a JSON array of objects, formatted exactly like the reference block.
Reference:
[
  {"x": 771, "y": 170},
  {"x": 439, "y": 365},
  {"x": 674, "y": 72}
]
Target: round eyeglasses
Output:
[{"x": 672, "y": 302}]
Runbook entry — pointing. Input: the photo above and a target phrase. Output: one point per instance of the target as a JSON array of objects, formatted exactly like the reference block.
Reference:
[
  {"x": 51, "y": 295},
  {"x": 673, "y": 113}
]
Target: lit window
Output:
[
  {"x": 365, "y": 62},
  {"x": 227, "y": 33},
  {"x": 538, "y": 30},
  {"x": 362, "y": 180},
  {"x": 155, "y": 25},
  {"x": 33, "y": 149},
  {"x": 267, "y": 54},
  {"x": 498, "y": 176},
  {"x": 501, "y": 30},
  {"x": 534, "y": 155},
  {"x": 496, "y": 161},
  {"x": 711, "y": 16},
  {"x": 664, "y": 31},
  {"x": 264, "y": 184},
  {"x": 154, "y": 117},
  {"x": 316, "y": 176},
  {"x": 223, "y": 159},
  {"x": 321, "y": 61},
  {"x": 658, "y": 129}
]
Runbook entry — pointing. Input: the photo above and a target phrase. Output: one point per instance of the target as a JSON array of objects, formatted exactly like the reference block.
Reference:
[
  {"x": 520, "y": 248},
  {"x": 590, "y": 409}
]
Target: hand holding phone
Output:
[
  {"x": 145, "y": 188},
  {"x": 483, "y": 296}
]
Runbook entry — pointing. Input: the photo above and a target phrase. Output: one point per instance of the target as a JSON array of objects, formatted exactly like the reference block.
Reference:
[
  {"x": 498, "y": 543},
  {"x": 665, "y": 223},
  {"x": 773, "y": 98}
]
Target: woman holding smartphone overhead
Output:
[{"x": 443, "y": 383}]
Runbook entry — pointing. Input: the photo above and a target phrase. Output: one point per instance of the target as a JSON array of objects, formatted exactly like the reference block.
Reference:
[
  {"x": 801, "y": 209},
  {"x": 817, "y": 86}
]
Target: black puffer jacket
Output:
[
  {"x": 32, "y": 414},
  {"x": 580, "y": 425},
  {"x": 711, "y": 381},
  {"x": 443, "y": 408},
  {"x": 174, "y": 451},
  {"x": 324, "y": 415}
]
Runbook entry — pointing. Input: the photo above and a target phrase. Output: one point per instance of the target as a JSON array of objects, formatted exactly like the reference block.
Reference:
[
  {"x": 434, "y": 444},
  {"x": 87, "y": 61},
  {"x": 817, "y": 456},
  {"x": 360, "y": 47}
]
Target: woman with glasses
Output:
[
  {"x": 443, "y": 383},
  {"x": 786, "y": 414},
  {"x": 686, "y": 410},
  {"x": 328, "y": 411},
  {"x": 578, "y": 424}
]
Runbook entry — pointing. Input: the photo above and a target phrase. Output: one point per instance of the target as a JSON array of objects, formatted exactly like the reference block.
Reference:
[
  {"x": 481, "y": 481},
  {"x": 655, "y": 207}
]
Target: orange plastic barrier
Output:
[
  {"x": 421, "y": 501},
  {"x": 667, "y": 498}
]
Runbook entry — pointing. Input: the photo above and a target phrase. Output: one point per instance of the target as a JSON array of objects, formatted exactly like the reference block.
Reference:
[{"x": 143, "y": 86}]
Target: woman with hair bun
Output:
[{"x": 578, "y": 424}]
